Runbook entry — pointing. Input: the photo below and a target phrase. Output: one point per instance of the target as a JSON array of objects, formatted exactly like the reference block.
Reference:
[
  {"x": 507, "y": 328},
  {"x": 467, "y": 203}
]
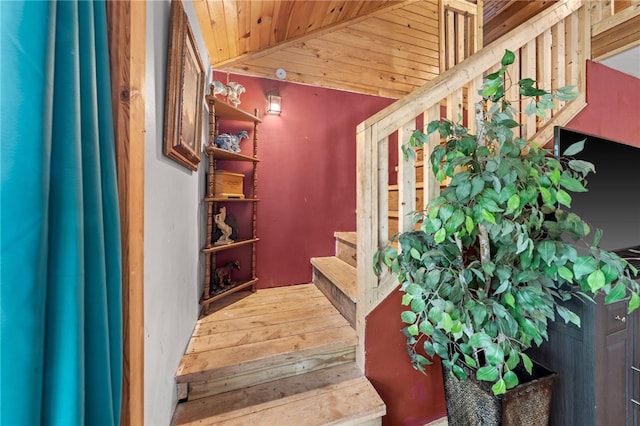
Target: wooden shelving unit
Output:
[
  {"x": 214, "y": 249},
  {"x": 219, "y": 112}
]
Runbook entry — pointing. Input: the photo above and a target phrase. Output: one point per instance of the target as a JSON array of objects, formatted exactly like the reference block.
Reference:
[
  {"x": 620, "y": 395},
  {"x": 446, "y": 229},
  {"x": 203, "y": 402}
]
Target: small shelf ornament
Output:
[
  {"x": 226, "y": 230},
  {"x": 231, "y": 91},
  {"x": 231, "y": 142}
]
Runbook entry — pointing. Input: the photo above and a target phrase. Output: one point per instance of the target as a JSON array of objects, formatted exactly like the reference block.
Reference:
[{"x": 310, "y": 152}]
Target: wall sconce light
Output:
[{"x": 274, "y": 102}]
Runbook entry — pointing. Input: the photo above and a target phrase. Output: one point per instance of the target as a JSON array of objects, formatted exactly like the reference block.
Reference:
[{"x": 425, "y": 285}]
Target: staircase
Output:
[
  {"x": 280, "y": 356},
  {"x": 551, "y": 48},
  {"x": 335, "y": 276}
]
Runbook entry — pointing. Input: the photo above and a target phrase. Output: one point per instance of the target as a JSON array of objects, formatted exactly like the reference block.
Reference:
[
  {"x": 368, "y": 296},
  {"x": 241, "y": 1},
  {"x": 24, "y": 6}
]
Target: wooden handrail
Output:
[{"x": 551, "y": 48}]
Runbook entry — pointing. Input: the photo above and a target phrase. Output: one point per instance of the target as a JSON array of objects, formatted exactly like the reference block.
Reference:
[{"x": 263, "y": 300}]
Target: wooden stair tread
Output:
[
  {"x": 280, "y": 356},
  {"x": 241, "y": 377},
  {"x": 255, "y": 335},
  {"x": 347, "y": 247},
  {"x": 229, "y": 360},
  {"x": 339, "y": 272},
  {"x": 349, "y": 237},
  {"x": 336, "y": 395}
]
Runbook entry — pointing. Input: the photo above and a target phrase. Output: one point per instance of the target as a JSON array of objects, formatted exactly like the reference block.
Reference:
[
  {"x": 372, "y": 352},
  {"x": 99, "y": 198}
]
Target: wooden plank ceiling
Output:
[
  {"x": 385, "y": 48},
  {"x": 500, "y": 16},
  {"x": 380, "y": 47}
]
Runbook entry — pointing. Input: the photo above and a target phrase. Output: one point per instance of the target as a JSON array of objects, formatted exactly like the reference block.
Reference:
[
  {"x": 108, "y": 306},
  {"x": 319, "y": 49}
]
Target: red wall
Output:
[
  {"x": 612, "y": 111},
  {"x": 306, "y": 174},
  {"x": 412, "y": 398}
]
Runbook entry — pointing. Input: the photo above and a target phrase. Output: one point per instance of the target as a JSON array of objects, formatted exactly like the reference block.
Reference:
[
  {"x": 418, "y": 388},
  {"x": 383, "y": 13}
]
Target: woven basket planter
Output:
[{"x": 471, "y": 403}]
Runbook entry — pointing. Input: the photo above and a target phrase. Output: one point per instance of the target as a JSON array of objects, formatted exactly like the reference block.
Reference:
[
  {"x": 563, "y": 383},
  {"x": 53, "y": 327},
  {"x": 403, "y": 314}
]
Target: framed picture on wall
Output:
[{"x": 184, "y": 93}]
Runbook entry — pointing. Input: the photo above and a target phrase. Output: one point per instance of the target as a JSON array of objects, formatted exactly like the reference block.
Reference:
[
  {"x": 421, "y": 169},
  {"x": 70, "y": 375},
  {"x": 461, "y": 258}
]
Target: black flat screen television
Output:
[{"x": 612, "y": 202}]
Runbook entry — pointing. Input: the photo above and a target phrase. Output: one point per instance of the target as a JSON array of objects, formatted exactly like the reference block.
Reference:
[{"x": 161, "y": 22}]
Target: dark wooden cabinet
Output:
[
  {"x": 226, "y": 118},
  {"x": 597, "y": 382},
  {"x": 597, "y": 364}
]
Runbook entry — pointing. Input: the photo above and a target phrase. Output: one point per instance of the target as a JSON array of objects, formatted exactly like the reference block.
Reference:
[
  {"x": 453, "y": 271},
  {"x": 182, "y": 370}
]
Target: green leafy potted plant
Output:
[{"x": 498, "y": 251}]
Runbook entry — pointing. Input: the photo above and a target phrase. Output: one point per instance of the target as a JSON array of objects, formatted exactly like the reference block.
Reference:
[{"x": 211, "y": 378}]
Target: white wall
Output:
[
  {"x": 627, "y": 61},
  {"x": 172, "y": 232}
]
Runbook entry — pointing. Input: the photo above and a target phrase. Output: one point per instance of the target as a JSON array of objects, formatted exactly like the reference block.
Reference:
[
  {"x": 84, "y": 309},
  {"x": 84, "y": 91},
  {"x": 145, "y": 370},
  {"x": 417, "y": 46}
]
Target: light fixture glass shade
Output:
[{"x": 274, "y": 103}]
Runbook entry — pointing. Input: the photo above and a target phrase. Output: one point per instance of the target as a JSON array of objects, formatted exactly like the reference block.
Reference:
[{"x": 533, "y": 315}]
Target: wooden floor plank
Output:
[
  {"x": 264, "y": 300},
  {"x": 262, "y": 334},
  {"x": 252, "y": 310},
  {"x": 262, "y": 296},
  {"x": 261, "y": 320}
]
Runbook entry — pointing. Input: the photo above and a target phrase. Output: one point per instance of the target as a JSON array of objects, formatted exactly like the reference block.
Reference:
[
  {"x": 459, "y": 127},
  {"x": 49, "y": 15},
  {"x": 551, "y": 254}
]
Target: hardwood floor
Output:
[{"x": 275, "y": 356}]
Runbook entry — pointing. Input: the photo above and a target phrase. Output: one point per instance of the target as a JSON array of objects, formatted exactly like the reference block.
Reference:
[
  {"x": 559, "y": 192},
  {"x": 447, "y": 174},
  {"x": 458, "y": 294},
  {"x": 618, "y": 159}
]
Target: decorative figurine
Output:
[
  {"x": 234, "y": 90},
  {"x": 222, "y": 275},
  {"x": 231, "y": 91},
  {"x": 219, "y": 88},
  {"x": 223, "y": 227},
  {"x": 230, "y": 142},
  {"x": 233, "y": 223}
]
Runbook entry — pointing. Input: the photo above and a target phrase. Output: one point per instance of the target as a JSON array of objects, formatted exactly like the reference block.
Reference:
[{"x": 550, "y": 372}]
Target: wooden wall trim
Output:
[{"x": 127, "y": 48}]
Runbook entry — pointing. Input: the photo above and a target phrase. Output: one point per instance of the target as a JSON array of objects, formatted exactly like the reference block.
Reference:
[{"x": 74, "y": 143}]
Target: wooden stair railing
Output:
[
  {"x": 552, "y": 48},
  {"x": 460, "y": 31}
]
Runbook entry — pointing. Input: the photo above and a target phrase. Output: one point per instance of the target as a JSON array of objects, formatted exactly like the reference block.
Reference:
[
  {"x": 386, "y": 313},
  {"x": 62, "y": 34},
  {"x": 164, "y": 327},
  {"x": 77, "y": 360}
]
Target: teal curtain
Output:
[{"x": 60, "y": 264}]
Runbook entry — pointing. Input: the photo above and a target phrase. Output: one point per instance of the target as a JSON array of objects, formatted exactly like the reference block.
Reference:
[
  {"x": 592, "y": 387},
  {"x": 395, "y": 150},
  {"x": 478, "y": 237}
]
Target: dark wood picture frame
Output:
[{"x": 184, "y": 92}]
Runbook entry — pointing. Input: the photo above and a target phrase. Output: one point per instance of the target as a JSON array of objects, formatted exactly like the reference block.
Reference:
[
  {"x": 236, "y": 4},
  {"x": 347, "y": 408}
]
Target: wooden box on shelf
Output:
[{"x": 228, "y": 184}]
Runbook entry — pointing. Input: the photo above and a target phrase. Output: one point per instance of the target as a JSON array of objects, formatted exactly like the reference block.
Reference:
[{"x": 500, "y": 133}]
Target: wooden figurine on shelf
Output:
[
  {"x": 226, "y": 230},
  {"x": 233, "y": 223},
  {"x": 222, "y": 275}
]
